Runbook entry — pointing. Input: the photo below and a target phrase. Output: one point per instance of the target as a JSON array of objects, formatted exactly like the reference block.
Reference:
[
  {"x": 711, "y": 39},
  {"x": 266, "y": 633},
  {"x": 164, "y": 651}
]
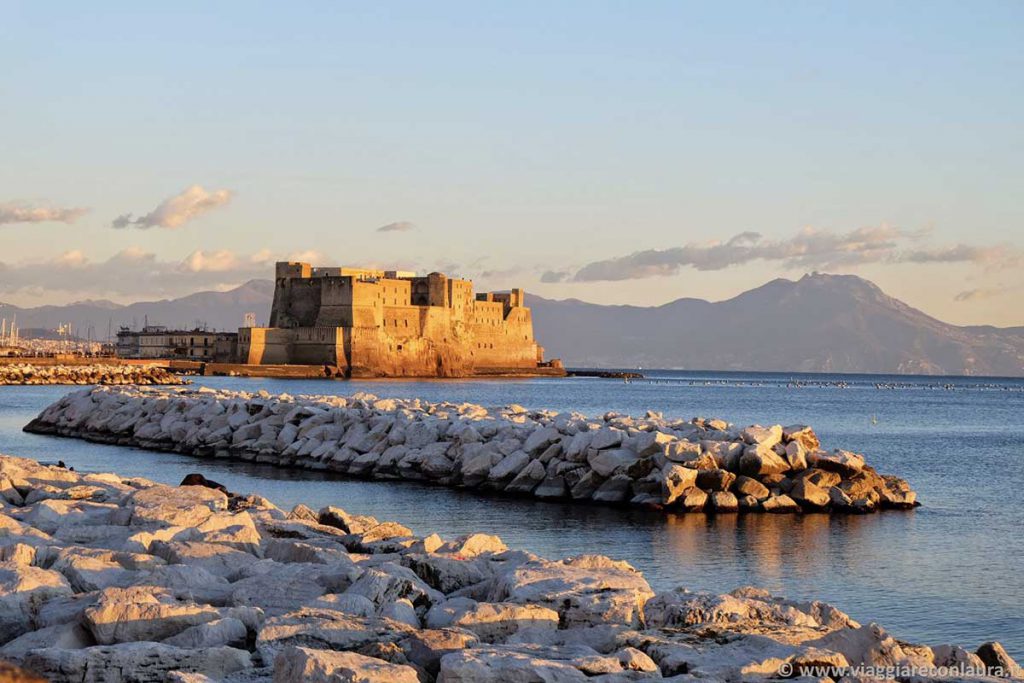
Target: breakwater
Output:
[
  {"x": 700, "y": 465},
  {"x": 108, "y": 578},
  {"x": 98, "y": 373}
]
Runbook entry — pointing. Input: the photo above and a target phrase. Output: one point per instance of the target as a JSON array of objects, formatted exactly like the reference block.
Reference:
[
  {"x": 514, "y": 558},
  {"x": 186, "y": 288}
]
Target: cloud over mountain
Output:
[
  {"x": 809, "y": 248},
  {"x": 134, "y": 271},
  {"x": 175, "y": 211},
  {"x": 397, "y": 226},
  {"x": 21, "y": 212}
]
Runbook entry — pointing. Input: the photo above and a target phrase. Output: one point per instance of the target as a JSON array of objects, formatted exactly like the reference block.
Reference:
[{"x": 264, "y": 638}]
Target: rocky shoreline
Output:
[
  {"x": 104, "y": 578},
  {"x": 701, "y": 465},
  {"x": 98, "y": 373}
]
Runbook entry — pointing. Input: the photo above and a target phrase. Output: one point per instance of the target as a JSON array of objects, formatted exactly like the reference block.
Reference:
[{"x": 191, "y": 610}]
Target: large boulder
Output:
[
  {"x": 760, "y": 460},
  {"x": 325, "y": 666},
  {"x": 159, "y": 506},
  {"x": 747, "y": 610},
  {"x": 494, "y": 622},
  {"x": 723, "y": 501},
  {"x": 801, "y": 434},
  {"x": 123, "y": 615},
  {"x": 616, "y": 489},
  {"x": 843, "y": 462},
  {"x": 389, "y": 582},
  {"x": 89, "y": 569},
  {"x": 23, "y": 590},
  {"x": 998, "y": 661},
  {"x": 762, "y": 436},
  {"x": 693, "y": 500},
  {"x": 585, "y": 590},
  {"x": 675, "y": 480},
  {"x": 277, "y": 588},
  {"x": 607, "y": 462},
  {"x": 219, "y": 560},
  {"x": 809, "y": 496},
  {"x": 715, "y": 480},
  {"x": 538, "y": 663},
  {"x": 71, "y": 636},
  {"x": 748, "y": 486},
  {"x": 53, "y": 514},
  {"x": 135, "y": 662},
  {"x": 426, "y": 648},
  {"x": 473, "y": 545},
  {"x": 326, "y": 629},
  {"x": 505, "y": 666},
  {"x": 780, "y": 503}
]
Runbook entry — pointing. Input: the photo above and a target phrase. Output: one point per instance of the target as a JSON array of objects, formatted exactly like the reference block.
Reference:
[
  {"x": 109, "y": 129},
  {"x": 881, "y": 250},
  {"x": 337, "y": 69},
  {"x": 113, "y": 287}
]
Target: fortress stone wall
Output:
[{"x": 372, "y": 323}]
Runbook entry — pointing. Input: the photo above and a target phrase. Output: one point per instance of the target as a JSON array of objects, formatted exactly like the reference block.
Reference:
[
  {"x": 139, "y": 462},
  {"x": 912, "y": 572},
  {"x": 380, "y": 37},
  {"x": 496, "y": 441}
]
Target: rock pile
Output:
[
  {"x": 700, "y": 465},
  {"x": 110, "y": 579},
  {"x": 100, "y": 373}
]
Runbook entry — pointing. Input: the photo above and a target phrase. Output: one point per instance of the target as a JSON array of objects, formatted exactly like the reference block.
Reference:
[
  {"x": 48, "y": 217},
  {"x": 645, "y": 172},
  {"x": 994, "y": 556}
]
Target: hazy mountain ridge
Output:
[{"x": 820, "y": 323}]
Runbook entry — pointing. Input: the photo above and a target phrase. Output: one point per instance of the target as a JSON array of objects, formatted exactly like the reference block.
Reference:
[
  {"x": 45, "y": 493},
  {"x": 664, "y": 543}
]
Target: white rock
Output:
[
  {"x": 606, "y": 462},
  {"x": 135, "y": 662},
  {"x": 324, "y": 666}
]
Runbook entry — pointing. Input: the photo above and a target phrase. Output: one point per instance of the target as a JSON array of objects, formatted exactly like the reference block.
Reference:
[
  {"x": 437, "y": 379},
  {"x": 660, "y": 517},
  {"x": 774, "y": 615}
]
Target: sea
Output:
[{"x": 951, "y": 571}]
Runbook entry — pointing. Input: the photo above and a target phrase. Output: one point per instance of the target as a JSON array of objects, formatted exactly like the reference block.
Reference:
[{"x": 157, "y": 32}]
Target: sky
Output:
[{"x": 615, "y": 152}]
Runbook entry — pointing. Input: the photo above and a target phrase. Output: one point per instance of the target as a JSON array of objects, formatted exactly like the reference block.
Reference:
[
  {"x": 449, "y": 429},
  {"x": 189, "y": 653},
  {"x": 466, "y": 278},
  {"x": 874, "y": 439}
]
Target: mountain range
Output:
[{"x": 819, "y": 323}]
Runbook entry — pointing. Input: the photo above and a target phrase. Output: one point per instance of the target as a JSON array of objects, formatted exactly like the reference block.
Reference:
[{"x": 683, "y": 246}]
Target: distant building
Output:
[
  {"x": 157, "y": 342},
  {"x": 391, "y": 323}
]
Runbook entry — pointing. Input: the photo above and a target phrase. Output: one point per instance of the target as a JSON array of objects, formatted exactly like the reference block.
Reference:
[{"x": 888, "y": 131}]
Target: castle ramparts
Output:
[{"x": 375, "y": 323}]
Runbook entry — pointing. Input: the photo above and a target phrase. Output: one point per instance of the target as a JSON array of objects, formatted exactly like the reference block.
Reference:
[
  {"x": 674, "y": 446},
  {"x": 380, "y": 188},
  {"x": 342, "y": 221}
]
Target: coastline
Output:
[{"x": 239, "y": 590}]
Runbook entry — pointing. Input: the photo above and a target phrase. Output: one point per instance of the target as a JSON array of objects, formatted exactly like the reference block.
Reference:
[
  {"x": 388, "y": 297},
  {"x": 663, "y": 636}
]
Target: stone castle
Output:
[{"x": 373, "y": 323}]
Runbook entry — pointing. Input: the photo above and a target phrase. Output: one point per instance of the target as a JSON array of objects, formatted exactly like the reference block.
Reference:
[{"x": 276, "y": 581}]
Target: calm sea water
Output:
[{"x": 950, "y": 571}]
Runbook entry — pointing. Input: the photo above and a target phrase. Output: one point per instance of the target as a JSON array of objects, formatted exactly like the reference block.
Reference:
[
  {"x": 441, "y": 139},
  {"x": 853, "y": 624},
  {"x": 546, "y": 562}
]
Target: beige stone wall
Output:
[
  {"x": 502, "y": 340},
  {"x": 264, "y": 345},
  {"x": 370, "y": 325}
]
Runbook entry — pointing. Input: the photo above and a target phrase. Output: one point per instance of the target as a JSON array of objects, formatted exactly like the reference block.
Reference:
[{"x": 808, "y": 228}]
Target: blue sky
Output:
[{"x": 524, "y": 143}]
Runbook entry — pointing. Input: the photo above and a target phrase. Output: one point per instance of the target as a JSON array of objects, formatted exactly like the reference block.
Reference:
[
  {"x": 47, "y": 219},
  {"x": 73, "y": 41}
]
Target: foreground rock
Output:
[
  {"x": 687, "y": 466},
  {"x": 191, "y": 584},
  {"x": 98, "y": 373}
]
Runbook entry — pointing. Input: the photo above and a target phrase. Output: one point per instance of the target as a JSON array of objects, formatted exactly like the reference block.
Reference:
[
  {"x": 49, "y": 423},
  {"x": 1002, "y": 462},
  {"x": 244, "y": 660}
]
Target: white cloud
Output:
[
  {"x": 220, "y": 261},
  {"x": 135, "y": 273},
  {"x": 310, "y": 256},
  {"x": 20, "y": 212},
  {"x": 175, "y": 211}
]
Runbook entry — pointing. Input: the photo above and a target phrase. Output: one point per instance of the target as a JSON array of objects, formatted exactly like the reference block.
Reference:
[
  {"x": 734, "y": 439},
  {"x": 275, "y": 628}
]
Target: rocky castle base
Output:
[
  {"x": 692, "y": 466},
  {"x": 111, "y": 579}
]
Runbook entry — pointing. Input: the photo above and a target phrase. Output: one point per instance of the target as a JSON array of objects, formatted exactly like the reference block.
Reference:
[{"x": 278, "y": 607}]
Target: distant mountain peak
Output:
[{"x": 821, "y": 322}]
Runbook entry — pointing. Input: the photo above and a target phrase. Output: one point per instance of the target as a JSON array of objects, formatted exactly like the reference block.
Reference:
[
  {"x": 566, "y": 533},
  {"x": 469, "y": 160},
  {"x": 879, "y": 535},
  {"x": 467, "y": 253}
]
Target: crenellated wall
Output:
[{"x": 383, "y": 323}]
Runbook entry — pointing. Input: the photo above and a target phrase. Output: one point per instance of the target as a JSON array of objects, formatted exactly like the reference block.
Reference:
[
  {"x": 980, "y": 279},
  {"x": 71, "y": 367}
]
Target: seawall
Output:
[
  {"x": 699, "y": 465},
  {"x": 104, "y": 578},
  {"x": 93, "y": 373}
]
